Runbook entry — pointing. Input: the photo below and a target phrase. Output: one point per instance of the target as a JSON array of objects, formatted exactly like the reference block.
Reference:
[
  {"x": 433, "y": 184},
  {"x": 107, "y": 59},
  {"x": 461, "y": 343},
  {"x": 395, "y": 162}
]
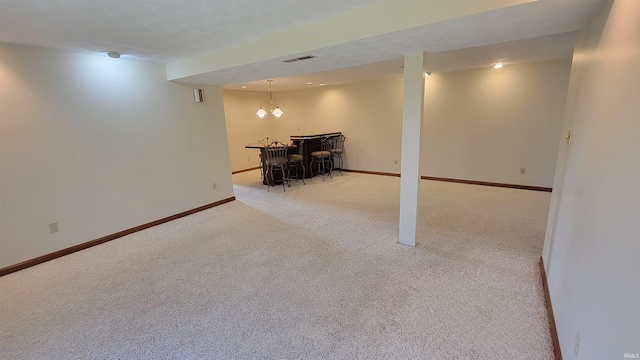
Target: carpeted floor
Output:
[{"x": 314, "y": 272}]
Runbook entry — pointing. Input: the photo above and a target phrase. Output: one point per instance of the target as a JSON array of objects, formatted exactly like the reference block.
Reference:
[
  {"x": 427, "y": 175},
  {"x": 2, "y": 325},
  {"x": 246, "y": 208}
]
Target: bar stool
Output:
[
  {"x": 296, "y": 161},
  {"x": 276, "y": 158},
  {"x": 322, "y": 156},
  {"x": 338, "y": 149},
  {"x": 264, "y": 142}
]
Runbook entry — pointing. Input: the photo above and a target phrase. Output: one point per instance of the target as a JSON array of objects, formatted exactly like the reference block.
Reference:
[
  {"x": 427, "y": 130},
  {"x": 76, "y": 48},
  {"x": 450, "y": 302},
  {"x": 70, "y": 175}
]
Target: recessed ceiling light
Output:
[
  {"x": 498, "y": 65},
  {"x": 309, "y": 83},
  {"x": 321, "y": 84},
  {"x": 244, "y": 86}
]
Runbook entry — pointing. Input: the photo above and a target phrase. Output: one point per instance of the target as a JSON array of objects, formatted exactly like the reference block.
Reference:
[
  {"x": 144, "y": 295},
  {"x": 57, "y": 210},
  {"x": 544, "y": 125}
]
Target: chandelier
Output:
[{"x": 273, "y": 110}]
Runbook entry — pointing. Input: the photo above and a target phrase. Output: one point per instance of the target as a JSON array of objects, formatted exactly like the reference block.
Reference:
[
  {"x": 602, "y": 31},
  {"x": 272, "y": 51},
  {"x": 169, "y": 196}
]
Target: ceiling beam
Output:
[{"x": 374, "y": 20}]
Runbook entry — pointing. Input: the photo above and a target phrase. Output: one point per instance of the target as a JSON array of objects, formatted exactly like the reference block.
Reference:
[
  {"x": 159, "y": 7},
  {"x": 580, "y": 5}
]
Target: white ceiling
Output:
[
  {"x": 156, "y": 30},
  {"x": 168, "y": 30},
  {"x": 550, "y": 47}
]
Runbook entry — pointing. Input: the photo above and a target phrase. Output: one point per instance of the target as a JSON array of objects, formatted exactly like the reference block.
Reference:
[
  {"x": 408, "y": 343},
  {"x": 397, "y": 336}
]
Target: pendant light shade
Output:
[
  {"x": 261, "y": 113},
  {"x": 274, "y": 110}
]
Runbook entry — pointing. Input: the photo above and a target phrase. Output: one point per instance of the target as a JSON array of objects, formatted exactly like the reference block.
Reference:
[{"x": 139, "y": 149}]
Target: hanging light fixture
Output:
[
  {"x": 261, "y": 113},
  {"x": 274, "y": 110}
]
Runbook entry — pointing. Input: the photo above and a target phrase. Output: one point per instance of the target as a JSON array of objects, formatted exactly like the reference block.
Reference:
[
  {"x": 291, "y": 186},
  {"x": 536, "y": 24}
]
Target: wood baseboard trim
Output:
[
  {"x": 245, "y": 170},
  {"x": 552, "y": 320},
  {"x": 54, "y": 255},
  {"x": 473, "y": 182},
  {"x": 371, "y": 172}
]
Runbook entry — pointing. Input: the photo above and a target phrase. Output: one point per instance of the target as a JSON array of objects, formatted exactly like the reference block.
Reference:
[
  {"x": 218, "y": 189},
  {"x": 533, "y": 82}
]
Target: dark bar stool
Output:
[
  {"x": 322, "y": 157},
  {"x": 276, "y": 158},
  {"x": 338, "y": 149},
  {"x": 296, "y": 161}
]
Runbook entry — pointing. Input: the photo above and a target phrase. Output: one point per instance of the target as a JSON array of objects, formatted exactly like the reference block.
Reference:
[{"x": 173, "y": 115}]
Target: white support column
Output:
[{"x": 412, "y": 110}]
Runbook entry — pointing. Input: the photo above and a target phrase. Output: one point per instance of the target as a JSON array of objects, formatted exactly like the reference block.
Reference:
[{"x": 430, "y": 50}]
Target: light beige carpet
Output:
[{"x": 314, "y": 272}]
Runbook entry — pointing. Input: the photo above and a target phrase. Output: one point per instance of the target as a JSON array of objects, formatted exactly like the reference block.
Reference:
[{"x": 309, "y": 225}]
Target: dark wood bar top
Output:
[
  {"x": 317, "y": 136},
  {"x": 262, "y": 146}
]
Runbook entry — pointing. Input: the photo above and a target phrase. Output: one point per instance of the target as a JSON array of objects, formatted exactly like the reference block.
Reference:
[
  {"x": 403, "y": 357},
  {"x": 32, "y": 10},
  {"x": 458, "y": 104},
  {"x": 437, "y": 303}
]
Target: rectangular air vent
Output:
[{"x": 299, "y": 59}]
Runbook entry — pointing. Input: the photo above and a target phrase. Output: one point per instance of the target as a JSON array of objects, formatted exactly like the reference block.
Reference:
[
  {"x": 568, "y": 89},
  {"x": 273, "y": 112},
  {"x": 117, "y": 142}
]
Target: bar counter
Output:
[{"x": 310, "y": 143}]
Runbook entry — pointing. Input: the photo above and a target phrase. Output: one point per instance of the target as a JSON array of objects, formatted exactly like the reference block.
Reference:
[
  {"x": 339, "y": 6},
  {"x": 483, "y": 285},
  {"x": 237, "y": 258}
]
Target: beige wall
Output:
[
  {"x": 482, "y": 124},
  {"x": 369, "y": 114},
  {"x": 486, "y": 124},
  {"x": 98, "y": 146},
  {"x": 245, "y": 127},
  {"x": 361, "y": 111},
  {"x": 593, "y": 238}
]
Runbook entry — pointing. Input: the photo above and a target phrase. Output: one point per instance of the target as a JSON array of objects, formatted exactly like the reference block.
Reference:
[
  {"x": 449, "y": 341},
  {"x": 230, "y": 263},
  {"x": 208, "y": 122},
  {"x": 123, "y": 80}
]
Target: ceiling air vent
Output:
[{"x": 299, "y": 59}]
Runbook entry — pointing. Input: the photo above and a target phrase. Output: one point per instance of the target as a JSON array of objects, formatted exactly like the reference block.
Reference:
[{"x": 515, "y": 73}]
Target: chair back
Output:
[
  {"x": 266, "y": 141},
  {"x": 276, "y": 153},
  {"x": 299, "y": 156},
  {"x": 327, "y": 144},
  {"x": 338, "y": 144},
  {"x": 300, "y": 147}
]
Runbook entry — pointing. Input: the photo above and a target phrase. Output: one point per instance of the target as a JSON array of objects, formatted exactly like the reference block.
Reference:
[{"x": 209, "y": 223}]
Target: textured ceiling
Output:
[
  {"x": 167, "y": 30},
  {"x": 504, "y": 26},
  {"x": 550, "y": 47},
  {"x": 157, "y": 30}
]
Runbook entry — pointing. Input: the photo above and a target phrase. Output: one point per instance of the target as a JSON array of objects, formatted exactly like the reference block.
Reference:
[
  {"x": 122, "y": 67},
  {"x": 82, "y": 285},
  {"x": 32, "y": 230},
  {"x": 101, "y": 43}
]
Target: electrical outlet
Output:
[
  {"x": 215, "y": 186},
  {"x": 522, "y": 171},
  {"x": 53, "y": 227},
  {"x": 395, "y": 162},
  {"x": 576, "y": 347}
]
